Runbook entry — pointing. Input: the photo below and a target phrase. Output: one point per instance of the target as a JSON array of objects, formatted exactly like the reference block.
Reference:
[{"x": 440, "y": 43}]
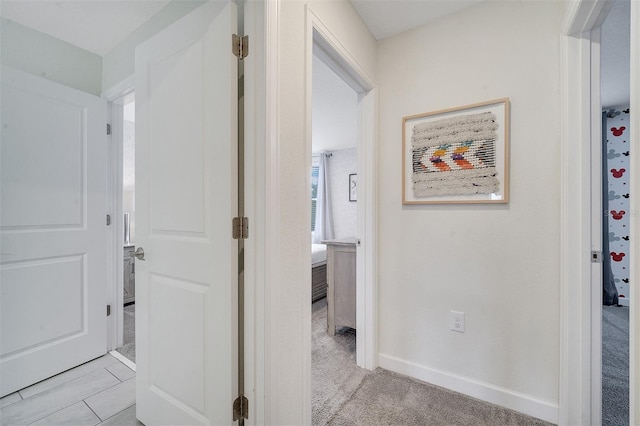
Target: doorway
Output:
[
  {"x": 334, "y": 218},
  {"x": 616, "y": 124},
  {"x": 128, "y": 348},
  {"x": 580, "y": 389},
  {"x": 122, "y": 181},
  {"x": 326, "y": 51}
]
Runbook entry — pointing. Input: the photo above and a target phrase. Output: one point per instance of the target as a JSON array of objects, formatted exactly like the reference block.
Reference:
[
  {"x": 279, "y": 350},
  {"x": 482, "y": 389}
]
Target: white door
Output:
[
  {"x": 186, "y": 197},
  {"x": 52, "y": 228}
]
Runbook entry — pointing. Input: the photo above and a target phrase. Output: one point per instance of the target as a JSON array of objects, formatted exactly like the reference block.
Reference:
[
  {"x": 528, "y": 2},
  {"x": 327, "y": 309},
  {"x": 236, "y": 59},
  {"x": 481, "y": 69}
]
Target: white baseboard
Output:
[
  {"x": 507, "y": 398},
  {"x": 623, "y": 301},
  {"x": 123, "y": 359}
]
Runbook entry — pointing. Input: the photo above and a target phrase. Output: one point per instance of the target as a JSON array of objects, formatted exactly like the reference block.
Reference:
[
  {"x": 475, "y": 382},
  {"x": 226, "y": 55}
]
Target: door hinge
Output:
[
  {"x": 240, "y": 46},
  {"x": 108, "y": 129},
  {"x": 240, "y": 408},
  {"x": 240, "y": 228},
  {"x": 108, "y": 310},
  {"x": 596, "y": 256},
  {"x": 108, "y": 219}
]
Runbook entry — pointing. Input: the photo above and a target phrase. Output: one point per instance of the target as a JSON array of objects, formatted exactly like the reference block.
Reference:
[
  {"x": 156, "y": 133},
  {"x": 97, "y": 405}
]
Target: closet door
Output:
[{"x": 186, "y": 197}]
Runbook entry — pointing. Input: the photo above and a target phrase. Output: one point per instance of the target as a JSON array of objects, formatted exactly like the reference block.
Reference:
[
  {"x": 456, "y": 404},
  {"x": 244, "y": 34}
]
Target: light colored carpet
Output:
[
  {"x": 343, "y": 394},
  {"x": 387, "y": 398},
  {"x": 128, "y": 349},
  {"x": 334, "y": 373},
  {"x": 615, "y": 366}
]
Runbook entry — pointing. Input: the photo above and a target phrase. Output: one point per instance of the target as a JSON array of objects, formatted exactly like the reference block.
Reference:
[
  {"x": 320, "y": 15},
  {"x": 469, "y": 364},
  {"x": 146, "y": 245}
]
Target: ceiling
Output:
[
  {"x": 388, "y": 18},
  {"x": 100, "y": 25},
  {"x": 615, "y": 59},
  {"x": 93, "y": 25},
  {"x": 334, "y": 111}
]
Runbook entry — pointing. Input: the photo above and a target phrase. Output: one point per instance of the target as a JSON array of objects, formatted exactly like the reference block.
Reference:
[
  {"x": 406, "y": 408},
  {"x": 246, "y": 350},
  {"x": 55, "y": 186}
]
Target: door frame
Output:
[
  {"x": 580, "y": 344},
  {"x": 634, "y": 313},
  {"x": 321, "y": 40},
  {"x": 262, "y": 202},
  {"x": 260, "y": 205}
]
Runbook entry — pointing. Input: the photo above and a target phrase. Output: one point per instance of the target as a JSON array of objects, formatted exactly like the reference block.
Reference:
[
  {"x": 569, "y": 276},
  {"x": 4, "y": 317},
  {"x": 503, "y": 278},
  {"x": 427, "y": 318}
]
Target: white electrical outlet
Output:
[{"x": 456, "y": 321}]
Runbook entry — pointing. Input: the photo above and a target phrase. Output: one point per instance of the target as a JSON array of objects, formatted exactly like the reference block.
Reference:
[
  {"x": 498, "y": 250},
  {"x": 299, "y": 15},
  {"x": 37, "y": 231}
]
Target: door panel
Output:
[
  {"x": 53, "y": 230},
  {"x": 186, "y": 196}
]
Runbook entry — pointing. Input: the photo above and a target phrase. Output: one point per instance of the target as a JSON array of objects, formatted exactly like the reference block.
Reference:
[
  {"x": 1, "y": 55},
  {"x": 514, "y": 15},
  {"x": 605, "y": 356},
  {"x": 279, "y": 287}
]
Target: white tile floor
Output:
[{"x": 100, "y": 392}]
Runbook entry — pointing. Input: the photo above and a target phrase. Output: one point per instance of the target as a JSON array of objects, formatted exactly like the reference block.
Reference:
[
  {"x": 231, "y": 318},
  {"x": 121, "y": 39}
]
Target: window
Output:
[{"x": 314, "y": 191}]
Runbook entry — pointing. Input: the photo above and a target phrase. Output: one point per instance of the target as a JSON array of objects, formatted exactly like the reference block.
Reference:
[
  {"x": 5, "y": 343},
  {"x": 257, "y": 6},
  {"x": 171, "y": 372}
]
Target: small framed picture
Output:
[{"x": 353, "y": 187}]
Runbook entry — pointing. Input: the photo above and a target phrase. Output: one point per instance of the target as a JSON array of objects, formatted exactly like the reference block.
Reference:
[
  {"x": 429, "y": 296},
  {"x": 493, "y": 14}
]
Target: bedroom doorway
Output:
[
  {"x": 616, "y": 199},
  {"x": 334, "y": 220}
]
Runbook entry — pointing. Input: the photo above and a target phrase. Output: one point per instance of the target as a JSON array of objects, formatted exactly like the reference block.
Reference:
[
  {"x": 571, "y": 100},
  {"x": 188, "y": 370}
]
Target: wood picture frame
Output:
[{"x": 458, "y": 155}]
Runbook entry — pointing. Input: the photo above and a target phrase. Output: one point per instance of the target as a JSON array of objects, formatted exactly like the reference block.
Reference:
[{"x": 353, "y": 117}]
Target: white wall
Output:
[
  {"x": 290, "y": 313},
  {"x": 498, "y": 264},
  {"x": 615, "y": 52},
  {"x": 335, "y": 110},
  {"x": 44, "y": 56},
  {"x": 128, "y": 174},
  {"x": 119, "y": 62},
  {"x": 335, "y": 129},
  {"x": 345, "y": 213}
]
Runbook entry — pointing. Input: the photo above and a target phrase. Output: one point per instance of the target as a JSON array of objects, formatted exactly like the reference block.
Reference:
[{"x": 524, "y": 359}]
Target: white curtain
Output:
[{"x": 324, "y": 220}]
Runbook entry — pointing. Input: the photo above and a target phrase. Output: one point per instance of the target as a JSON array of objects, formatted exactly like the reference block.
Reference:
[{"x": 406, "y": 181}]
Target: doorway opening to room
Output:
[
  {"x": 123, "y": 133},
  {"x": 334, "y": 220},
  {"x": 341, "y": 142},
  {"x": 616, "y": 124}
]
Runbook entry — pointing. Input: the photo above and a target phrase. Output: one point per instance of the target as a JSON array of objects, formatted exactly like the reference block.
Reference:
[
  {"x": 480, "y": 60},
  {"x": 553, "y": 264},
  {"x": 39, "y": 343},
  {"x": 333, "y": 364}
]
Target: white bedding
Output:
[{"x": 318, "y": 253}]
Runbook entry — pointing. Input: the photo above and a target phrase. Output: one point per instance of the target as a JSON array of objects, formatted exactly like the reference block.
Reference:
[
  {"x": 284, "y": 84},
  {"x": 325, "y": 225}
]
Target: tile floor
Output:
[{"x": 100, "y": 392}]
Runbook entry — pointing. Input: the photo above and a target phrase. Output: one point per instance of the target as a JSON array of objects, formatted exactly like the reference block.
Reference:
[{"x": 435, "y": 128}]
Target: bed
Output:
[{"x": 318, "y": 271}]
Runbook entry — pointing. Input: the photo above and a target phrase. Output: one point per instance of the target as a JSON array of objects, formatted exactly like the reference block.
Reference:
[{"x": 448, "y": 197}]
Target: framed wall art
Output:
[
  {"x": 457, "y": 155},
  {"x": 353, "y": 187}
]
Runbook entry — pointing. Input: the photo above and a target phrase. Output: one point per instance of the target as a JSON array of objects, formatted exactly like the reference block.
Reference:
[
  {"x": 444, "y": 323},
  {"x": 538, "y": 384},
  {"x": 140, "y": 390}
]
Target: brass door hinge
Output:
[
  {"x": 240, "y": 228},
  {"x": 240, "y": 408},
  {"x": 240, "y": 46}
]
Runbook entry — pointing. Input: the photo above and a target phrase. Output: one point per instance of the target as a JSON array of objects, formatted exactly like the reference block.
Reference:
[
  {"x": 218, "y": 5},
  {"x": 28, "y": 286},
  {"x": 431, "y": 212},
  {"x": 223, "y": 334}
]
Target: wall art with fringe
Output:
[{"x": 457, "y": 155}]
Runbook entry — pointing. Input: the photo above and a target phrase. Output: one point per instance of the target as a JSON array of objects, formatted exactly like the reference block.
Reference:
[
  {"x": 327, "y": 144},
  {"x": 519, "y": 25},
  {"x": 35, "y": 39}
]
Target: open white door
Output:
[
  {"x": 53, "y": 229},
  {"x": 186, "y": 197}
]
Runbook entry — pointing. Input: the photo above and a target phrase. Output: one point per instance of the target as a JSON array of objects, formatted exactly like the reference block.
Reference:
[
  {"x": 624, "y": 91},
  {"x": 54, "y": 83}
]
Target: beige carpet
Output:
[
  {"x": 334, "y": 374},
  {"x": 343, "y": 394}
]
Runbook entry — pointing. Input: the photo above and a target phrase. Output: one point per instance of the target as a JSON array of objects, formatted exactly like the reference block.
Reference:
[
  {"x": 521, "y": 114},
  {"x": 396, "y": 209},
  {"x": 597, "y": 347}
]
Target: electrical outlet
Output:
[{"x": 456, "y": 321}]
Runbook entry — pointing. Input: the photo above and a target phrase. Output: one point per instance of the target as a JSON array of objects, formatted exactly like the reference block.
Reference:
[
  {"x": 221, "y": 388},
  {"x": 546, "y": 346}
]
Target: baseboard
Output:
[
  {"x": 507, "y": 398},
  {"x": 123, "y": 359},
  {"x": 623, "y": 301}
]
